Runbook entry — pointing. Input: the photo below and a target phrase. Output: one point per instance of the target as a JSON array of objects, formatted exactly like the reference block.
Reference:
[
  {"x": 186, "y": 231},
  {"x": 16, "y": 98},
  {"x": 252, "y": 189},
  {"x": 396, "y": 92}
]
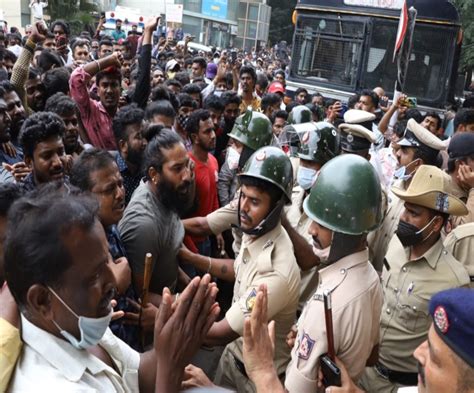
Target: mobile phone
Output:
[
  {"x": 384, "y": 102},
  {"x": 412, "y": 102},
  {"x": 331, "y": 373},
  {"x": 102, "y": 14},
  {"x": 233, "y": 56}
]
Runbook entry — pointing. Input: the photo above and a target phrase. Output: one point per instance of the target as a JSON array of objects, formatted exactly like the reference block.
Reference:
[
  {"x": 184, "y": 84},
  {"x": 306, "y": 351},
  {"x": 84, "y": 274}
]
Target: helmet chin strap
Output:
[
  {"x": 343, "y": 245},
  {"x": 268, "y": 223}
]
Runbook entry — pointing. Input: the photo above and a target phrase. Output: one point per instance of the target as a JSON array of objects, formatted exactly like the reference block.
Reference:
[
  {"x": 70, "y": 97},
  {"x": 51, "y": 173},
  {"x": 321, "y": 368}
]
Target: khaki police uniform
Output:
[
  {"x": 301, "y": 223},
  {"x": 408, "y": 287},
  {"x": 468, "y": 198},
  {"x": 269, "y": 260},
  {"x": 356, "y": 305},
  {"x": 460, "y": 243}
]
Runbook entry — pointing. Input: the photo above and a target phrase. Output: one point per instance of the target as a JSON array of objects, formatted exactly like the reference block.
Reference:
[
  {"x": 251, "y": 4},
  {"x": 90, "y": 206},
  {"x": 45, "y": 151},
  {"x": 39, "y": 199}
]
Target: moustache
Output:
[
  {"x": 245, "y": 216},
  {"x": 317, "y": 242}
]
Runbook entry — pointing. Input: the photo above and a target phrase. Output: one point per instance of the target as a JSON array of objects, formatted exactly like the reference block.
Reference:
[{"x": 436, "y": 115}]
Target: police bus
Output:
[{"x": 344, "y": 46}]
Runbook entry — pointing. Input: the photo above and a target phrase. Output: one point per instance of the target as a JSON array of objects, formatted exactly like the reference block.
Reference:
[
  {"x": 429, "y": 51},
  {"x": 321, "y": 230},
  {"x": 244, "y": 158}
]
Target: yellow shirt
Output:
[{"x": 10, "y": 346}]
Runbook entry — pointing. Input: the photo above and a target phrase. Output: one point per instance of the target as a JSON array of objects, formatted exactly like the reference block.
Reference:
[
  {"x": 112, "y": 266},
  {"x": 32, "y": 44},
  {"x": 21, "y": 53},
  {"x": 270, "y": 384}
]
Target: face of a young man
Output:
[
  {"x": 47, "y": 160},
  {"x": 255, "y": 205}
]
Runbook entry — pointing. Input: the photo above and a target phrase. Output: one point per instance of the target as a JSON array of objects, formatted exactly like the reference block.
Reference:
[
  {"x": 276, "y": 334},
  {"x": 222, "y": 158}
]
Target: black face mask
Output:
[{"x": 410, "y": 235}]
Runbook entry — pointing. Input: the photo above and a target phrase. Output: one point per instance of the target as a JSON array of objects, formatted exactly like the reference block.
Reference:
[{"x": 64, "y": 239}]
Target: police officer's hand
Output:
[
  {"x": 347, "y": 385},
  {"x": 259, "y": 338},
  {"x": 180, "y": 333},
  {"x": 466, "y": 177},
  {"x": 291, "y": 337},
  {"x": 194, "y": 377}
]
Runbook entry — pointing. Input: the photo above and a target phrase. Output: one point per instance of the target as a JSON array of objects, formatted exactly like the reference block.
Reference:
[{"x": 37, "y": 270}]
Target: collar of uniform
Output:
[
  {"x": 259, "y": 249},
  {"x": 431, "y": 256},
  {"x": 69, "y": 361},
  {"x": 339, "y": 268}
]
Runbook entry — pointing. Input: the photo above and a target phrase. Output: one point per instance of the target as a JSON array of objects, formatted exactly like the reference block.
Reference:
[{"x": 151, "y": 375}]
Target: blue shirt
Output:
[{"x": 130, "y": 181}]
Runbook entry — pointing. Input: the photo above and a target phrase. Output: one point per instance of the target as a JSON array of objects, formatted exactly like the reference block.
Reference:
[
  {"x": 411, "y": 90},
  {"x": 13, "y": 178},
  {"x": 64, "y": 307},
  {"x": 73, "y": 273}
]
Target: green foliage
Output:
[
  {"x": 466, "y": 9},
  {"x": 281, "y": 27},
  {"x": 81, "y": 15}
]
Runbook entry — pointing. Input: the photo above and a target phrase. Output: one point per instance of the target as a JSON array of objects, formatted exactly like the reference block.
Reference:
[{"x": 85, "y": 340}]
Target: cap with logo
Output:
[
  {"x": 431, "y": 188},
  {"x": 418, "y": 136},
  {"x": 356, "y": 131},
  {"x": 452, "y": 312}
]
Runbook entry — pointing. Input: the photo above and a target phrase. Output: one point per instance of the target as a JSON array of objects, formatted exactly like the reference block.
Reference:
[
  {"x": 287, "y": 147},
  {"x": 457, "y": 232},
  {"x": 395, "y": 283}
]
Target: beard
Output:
[
  {"x": 135, "y": 157},
  {"x": 180, "y": 199}
]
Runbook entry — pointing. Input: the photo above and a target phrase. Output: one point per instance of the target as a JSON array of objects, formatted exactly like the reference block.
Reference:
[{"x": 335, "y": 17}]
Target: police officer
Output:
[
  {"x": 266, "y": 256},
  {"x": 251, "y": 131},
  {"x": 356, "y": 132},
  {"x": 460, "y": 243},
  {"x": 416, "y": 267},
  {"x": 300, "y": 114},
  {"x": 344, "y": 204},
  {"x": 319, "y": 144},
  {"x": 289, "y": 138},
  {"x": 418, "y": 147}
]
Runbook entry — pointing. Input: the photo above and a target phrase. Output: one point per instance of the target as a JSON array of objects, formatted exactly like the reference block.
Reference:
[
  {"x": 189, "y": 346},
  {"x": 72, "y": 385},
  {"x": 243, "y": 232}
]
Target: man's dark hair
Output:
[
  {"x": 35, "y": 252},
  {"x": 464, "y": 116},
  {"x": 182, "y": 77},
  {"x": 192, "y": 125},
  {"x": 248, "y": 70},
  {"x": 9, "y": 193},
  {"x": 105, "y": 42},
  {"x": 7, "y": 86},
  {"x": 262, "y": 81},
  {"x": 154, "y": 156},
  {"x": 173, "y": 82},
  {"x": 230, "y": 97},
  {"x": 300, "y": 90},
  {"x": 186, "y": 100},
  {"x": 80, "y": 42},
  {"x": 9, "y": 55},
  {"x": 56, "y": 80},
  {"x": 201, "y": 61},
  {"x": 428, "y": 155},
  {"x": 40, "y": 127},
  {"x": 48, "y": 59},
  {"x": 414, "y": 114},
  {"x": 213, "y": 102},
  {"x": 264, "y": 186},
  {"x": 191, "y": 88},
  {"x": 280, "y": 115},
  {"x": 161, "y": 107},
  {"x": 279, "y": 72},
  {"x": 352, "y": 101},
  {"x": 63, "y": 24},
  {"x": 434, "y": 115},
  {"x": 152, "y": 130},
  {"x": 88, "y": 162},
  {"x": 128, "y": 115},
  {"x": 33, "y": 73},
  {"x": 373, "y": 96},
  {"x": 269, "y": 100},
  {"x": 113, "y": 73},
  {"x": 61, "y": 104},
  {"x": 2, "y": 92}
]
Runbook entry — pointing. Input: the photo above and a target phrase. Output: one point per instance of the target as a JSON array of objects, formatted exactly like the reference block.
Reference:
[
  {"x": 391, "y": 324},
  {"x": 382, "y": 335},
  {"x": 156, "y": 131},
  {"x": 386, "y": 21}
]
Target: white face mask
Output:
[
  {"x": 306, "y": 177},
  {"x": 322, "y": 254},
  {"x": 401, "y": 174},
  {"x": 92, "y": 329},
  {"x": 232, "y": 158}
]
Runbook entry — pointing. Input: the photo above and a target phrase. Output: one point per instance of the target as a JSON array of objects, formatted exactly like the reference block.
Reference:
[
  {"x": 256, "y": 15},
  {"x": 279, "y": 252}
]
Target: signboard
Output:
[
  {"x": 174, "y": 13},
  {"x": 214, "y": 8},
  {"x": 394, "y": 4}
]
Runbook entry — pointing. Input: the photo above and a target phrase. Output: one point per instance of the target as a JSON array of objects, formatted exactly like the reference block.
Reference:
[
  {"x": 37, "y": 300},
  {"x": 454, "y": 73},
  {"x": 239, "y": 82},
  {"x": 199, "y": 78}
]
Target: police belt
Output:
[{"x": 402, "y": 378}]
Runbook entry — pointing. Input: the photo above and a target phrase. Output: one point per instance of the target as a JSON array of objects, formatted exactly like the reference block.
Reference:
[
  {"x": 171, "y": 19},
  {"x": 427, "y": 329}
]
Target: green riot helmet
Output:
[
  {"x": 273, "y": 165},
  {"x": 319, "y": 143},
  {"x": 300, "y": 114},
  {"x": 252, "y": 129},
  {"x": 346, "y": 197}
]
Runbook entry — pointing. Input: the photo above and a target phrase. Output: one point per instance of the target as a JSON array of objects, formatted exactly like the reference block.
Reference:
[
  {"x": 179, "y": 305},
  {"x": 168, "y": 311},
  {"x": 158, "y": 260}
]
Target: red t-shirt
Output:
[{"x": 206, "y": 186}]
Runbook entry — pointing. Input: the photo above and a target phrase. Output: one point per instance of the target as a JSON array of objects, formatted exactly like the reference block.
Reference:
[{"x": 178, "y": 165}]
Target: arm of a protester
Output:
[
  {"x": 10, "y": 341},
  {"x": 220, "y": 268},
  {"x": 178, "y": 336},
  {"x": 142, "y": 92},
  {"x": 22, "y": 65},
  {"x": 197, "y": 226},
  {"x": 305, "y": 257},
  {"x": 259, "y": 345},
  {"x": 385, "y": 121},
  {"x": 99, "y": 25}
]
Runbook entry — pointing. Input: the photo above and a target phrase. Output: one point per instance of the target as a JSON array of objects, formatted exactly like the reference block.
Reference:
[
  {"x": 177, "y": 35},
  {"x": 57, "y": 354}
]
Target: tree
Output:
[
  {"x": 466, "y": 9},
  {"x": 81, "y": 14},
  {"x": 281, "y": 27}
]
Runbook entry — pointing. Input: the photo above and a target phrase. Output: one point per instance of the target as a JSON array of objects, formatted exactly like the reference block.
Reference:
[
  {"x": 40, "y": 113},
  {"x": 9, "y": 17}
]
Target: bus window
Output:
[
  {"x": 431, "y": 58},
  {"x": 328, "y": 49}
]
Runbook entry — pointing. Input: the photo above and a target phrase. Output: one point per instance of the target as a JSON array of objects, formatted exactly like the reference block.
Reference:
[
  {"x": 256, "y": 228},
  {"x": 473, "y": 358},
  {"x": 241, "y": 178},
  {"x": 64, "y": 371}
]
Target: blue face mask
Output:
[
  {"x": 306, "y": 177},
  {"x": 92, "y": 329},
  {"x": 401, "y": 174}
]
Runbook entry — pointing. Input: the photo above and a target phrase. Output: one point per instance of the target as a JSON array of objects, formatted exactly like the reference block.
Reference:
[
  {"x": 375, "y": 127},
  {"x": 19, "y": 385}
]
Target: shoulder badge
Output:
[
  {"x": 305, "y": 347},
  {"x": 250, "y": 301},
  {"x": 440, "y": 317},
  {"x": 350, "y": 138}
]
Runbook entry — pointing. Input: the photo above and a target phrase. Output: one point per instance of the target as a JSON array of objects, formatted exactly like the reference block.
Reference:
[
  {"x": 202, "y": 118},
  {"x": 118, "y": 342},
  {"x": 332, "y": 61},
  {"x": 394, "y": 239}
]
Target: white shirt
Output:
[
  {"x": 48, "y": 363},
  {"x": 37, "y": 9}
]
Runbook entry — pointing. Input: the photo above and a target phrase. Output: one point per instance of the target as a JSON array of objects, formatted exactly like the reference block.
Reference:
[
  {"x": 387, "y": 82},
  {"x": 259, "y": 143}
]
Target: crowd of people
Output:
[{"x": 155, "y": 201}]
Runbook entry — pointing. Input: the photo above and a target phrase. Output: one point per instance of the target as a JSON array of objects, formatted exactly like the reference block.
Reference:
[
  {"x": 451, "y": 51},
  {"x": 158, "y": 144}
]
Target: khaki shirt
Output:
[
  {"x": 269, "y": 260},
  {"x": 468, "y": 198},
  {"x": 301, "y": 222},
  {"x": 408, "y": 288},
  {"x": 222, "y": 219},
  {"x": 460, "y": 243},
  {"x": 356, "y": 305},
  {"x": 379, "y": 239}
]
